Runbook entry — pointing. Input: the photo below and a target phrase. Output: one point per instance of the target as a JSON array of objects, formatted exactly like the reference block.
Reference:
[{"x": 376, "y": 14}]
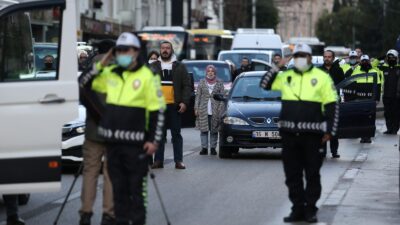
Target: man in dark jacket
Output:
[
  {"x": 245, "y": 66},
  {"x": 332, "y": 68},
  {"x": 391, "y": 100},
  {"x": 176, "y": 87}
]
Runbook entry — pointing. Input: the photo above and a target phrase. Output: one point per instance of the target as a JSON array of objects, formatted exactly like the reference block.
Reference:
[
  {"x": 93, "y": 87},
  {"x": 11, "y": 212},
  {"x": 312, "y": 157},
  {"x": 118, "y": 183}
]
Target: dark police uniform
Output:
[
  {"x": 391, "y": 100},
  {"x": 309, "y": 110},
  {"x": 133, "y": 116}
]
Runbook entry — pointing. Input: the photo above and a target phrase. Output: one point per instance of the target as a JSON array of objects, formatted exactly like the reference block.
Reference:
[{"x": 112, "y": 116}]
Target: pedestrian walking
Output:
[
  {"x": 94, "y": 151},
  {"x": 332, "y": 68},
  {"x": 131, "y": 125},
  {"x": 309, "y": 118},
  {"x": 391, "y": 88},
  {"x": 176, "y": 88},
  {"x": 208, "y": 111}
]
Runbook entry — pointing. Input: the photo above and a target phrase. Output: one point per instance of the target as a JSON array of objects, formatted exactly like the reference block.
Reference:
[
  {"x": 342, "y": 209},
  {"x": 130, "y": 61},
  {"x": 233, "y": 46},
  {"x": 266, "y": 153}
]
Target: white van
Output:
[
  {"x": 236, "y": 56},
  {"x": 258, "y": 40},
  {"x": 33, "y": 109}
]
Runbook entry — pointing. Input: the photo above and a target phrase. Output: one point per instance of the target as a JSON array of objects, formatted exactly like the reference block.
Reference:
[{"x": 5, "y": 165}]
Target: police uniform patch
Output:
[
  {"x": 136, "y": 84},
  {"x": 314, "y": 82}
]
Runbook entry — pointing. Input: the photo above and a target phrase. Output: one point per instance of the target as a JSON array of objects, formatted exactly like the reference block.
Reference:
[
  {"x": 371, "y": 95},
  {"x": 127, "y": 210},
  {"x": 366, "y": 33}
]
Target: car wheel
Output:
[
  {"x": 23, "y": 199},
  {"x": 225, "y": 153}
]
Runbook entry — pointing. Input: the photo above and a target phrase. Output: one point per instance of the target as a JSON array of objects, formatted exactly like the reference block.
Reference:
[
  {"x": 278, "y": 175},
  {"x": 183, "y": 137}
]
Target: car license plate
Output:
[{"x": 266, "y": 134}]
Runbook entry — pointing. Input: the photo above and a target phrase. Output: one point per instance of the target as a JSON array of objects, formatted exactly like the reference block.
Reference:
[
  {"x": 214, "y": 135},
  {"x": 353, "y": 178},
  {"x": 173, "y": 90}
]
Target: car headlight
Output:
[
  {"x": 80, "y": 130},
  {"x": 234, "y": 121}
]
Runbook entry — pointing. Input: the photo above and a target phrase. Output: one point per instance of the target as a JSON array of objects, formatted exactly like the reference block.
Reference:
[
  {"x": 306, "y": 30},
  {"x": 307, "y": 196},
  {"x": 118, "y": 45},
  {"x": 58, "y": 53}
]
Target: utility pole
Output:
[
  {"x": 138, "y": 12},
  {"x": 221, "y": 14},
  {"x": 168, "y": 17},
  {"x": 253, "y": 21}
]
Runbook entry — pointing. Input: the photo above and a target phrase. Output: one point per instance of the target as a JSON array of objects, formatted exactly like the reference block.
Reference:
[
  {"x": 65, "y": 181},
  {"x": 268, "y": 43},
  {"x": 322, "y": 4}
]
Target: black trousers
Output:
[
  {"x": 333, "y": 144},
  {"x": 303, "y": 154},
  {"x": 11, "y": 203},
  {"x": 392, "y": 113},
  {"x": 128, "y": 174}
]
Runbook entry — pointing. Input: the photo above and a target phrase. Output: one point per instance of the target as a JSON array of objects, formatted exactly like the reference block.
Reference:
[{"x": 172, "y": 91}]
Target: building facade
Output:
[{"x": 298, "y": 18}]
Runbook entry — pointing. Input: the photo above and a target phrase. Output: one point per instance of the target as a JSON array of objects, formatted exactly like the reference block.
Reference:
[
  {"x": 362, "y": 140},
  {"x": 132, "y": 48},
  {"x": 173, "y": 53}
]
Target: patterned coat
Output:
[{"x": 201, "y": 106}]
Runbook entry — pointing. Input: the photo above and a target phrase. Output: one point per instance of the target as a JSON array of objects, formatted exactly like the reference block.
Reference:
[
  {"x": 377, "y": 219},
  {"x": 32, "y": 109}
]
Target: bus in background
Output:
[
  {"x": 316, "y": 45},
  {"x": 181, "y": 39},
  {"x": 208, "y": 43}
]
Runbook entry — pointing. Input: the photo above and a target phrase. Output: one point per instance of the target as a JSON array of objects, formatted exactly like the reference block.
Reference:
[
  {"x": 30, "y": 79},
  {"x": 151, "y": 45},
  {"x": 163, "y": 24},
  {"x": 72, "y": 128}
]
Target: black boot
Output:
[
  {"x": 107, "y": 220},
  {"x": 297, "y": 215},
  {"x": 366, "y": 140},
  {"x": 213, "y": 152},
  {"x": 85, "y": 218},
  {"x": 204, "y": 151},
  {"x": 335, "y": 155},
  {"x": 311, "y": 214},
  {"x": 15, "y": 220}
]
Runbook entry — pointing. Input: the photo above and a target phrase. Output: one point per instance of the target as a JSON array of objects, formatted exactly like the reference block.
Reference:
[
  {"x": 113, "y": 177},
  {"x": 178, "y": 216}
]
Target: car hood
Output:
[
  {"x": 81, "y": 119},
  {"x": 249, "y": 109}
]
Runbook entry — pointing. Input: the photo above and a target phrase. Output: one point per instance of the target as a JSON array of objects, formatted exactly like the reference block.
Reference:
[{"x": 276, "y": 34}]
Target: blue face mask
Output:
[{"x": 124, "y": 60}]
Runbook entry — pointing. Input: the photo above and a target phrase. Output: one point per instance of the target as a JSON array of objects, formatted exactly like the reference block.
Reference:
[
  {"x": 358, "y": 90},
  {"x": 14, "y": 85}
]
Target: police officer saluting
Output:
[
  {"x": 309, "y": 118},
  {"x": 391, "y": 88},
  {"x": 131, "y": 124}
]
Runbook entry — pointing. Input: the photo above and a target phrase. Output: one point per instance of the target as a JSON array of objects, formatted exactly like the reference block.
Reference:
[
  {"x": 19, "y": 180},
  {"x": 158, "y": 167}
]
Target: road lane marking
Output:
[
  {"x": 335, "y": 198},
  {"x": 351, "y": 173},
  {"x": 361, "y": 157}
]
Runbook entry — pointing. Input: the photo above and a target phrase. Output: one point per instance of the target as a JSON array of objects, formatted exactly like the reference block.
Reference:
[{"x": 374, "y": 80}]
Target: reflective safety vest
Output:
[
  {"x": 309, "y": 101},
  {"x": 346, "y": 67},
  {"x": 135, "y": 104},
  {"x": 370, "y": 79}
]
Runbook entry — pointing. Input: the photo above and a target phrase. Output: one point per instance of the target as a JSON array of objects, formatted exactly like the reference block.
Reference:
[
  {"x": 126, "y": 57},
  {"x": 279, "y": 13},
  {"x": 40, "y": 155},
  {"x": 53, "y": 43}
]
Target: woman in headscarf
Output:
[{"x": 209, "y": 111}]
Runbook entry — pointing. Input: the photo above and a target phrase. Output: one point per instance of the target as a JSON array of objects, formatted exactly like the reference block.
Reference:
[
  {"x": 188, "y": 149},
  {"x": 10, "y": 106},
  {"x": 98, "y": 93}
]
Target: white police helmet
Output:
[
  {"x": 302, "y": 48},
  {"x": 127, "y": 39},
  {"x": 392, "y": 52},
  {"x": 353, "y": 54},
  {"x": 364, "y": 57}
]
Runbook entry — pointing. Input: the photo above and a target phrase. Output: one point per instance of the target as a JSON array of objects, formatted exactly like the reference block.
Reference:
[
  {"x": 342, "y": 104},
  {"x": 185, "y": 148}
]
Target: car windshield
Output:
[
  {"x": 199, "y": 70},
  {"x": 248, "y": 88},
  {"x": 236, "y": 58}
]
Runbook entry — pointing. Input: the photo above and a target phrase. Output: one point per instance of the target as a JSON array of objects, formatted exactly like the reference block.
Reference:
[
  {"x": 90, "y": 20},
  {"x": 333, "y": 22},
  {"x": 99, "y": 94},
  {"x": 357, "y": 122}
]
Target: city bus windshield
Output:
[{"x": 152, "y": 41}]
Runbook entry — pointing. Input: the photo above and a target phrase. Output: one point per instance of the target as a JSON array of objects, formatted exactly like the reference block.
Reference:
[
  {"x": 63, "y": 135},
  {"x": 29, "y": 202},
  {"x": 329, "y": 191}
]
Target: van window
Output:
[
  {"x": 29, "y": 45},
  {"x": 236, "y": 58}
]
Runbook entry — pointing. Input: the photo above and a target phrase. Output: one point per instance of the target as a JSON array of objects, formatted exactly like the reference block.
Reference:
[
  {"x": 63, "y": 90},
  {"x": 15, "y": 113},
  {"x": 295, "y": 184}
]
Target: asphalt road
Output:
[{"x": 248, "y": 189}]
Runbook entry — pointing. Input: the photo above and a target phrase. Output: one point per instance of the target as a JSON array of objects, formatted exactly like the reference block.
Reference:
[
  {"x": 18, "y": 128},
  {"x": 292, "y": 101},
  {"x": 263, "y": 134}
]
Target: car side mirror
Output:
[{"x": 219, "y": 97}]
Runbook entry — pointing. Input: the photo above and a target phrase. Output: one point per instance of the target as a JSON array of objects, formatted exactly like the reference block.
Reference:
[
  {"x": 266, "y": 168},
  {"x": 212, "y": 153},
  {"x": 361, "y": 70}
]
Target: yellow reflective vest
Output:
[
  {"x": 309, "y": 101},
  {"x": 135, "y": 104}
]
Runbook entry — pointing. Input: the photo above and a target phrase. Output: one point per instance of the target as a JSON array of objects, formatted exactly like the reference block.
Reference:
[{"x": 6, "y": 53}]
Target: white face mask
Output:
[
  {"x": 301, "y": 64},
  {"x": 151, "y": 61}
]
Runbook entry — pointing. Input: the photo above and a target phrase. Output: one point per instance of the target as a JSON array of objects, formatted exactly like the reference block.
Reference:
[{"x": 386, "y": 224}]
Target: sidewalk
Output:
[{"x": 372, "y": 196}]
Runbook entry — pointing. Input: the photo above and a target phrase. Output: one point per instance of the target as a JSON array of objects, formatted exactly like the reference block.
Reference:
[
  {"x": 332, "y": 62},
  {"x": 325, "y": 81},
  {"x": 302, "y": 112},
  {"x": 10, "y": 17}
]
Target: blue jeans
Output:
[
  {"x": 213, "y": 136},
  {"x": 173, "y": 122}
]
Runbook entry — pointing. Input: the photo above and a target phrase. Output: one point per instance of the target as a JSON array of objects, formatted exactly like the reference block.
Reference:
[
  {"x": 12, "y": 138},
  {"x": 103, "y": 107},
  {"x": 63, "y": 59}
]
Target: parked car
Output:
[
  {"x": 251, "y": 118},
  {"x": 73, "y": 136},
  {"x": 236, "y": 56},
  {"x": 252, "y": 114}
]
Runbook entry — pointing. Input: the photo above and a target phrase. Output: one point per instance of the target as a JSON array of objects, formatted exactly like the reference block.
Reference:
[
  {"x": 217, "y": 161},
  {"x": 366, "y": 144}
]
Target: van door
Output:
[
  {"x": 35, "y": 101},
  {"x": 357, "y": 109}
]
